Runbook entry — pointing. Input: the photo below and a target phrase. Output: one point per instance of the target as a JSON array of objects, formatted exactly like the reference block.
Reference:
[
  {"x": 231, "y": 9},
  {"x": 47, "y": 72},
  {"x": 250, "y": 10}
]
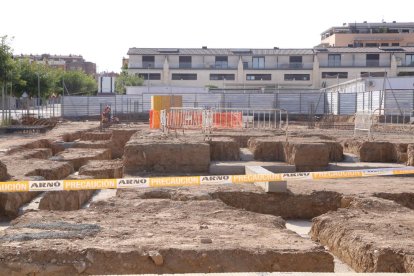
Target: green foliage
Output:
[
  {"x": 77, "y": 82},
  {"x": 6, "y": 60},
  {"x": 25, "y": 76},
  {"x": 125, "y": 80}
]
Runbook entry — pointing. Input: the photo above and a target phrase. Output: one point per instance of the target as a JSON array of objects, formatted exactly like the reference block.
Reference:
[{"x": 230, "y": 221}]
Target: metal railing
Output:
[
  {"x": 19, "y": 108},
  {"x": 383, "y": 120},
  {"x": 386, "y": 120},
  {"x": 208, "y": 120}
]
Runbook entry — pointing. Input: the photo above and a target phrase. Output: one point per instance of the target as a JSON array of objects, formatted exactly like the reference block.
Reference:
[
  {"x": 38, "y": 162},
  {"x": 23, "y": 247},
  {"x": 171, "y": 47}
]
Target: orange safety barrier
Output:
[
  {"x": 227, "y": 120},
  {"x": 154, "y": 119},
  {"x": 185, "y": 119}
]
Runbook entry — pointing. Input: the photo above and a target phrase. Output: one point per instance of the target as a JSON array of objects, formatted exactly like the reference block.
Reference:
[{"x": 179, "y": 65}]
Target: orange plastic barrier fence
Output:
[
  {"x": 185, "y": 119},
  {"x": 227, "y": 120},
  {"x": 154, "y": 119}
]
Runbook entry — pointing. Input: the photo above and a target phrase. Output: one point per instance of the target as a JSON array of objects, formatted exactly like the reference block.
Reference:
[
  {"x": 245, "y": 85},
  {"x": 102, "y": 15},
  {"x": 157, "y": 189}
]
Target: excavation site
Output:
[{"x": 330, "y": 224}]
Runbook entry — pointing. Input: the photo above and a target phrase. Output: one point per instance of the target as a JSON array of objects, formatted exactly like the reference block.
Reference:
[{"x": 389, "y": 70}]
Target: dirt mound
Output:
[
  {"x": 224, "y": 149},
  {"x": 410, "y": 155},
  {"x": 3, "y": 172},
  {"x": 102, "y": 169},
  {"x": 96, "y": 136},
  {"x": 80, "y": 156},
  {"x": 156, "y": 236},
  {"x": 166, "y": 155},
  {"x": 371, "y": 235}
]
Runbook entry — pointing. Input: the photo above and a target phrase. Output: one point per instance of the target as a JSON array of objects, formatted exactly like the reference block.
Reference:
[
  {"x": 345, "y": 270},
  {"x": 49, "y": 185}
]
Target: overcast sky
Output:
[{"x": 102, "y": 31}]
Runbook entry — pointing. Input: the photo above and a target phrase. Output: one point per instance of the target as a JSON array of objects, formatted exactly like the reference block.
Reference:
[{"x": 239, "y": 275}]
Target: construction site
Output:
[{"x": 199, "y": 190}]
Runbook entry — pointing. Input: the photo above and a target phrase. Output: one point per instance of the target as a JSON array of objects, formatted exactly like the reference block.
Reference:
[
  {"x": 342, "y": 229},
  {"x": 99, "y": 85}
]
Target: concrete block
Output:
[{"x": 268, "y": 187}]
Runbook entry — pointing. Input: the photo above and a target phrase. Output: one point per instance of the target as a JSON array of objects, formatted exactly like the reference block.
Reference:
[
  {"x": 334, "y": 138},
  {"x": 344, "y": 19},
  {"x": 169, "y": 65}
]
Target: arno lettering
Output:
[
  {"x": 132, "y": 181},
  {"x": 215, "y": 178},
  {"x": 45, "y": 185},
  {"x": 295, "y": 174}
]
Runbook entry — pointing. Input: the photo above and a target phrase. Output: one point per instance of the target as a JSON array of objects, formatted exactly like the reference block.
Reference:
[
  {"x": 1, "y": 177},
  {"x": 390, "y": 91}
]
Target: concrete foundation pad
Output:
[
  {"x": 268, "y": 187},
  {"x": 125, "y": 236},
  {"x": 238, "y": 167}
]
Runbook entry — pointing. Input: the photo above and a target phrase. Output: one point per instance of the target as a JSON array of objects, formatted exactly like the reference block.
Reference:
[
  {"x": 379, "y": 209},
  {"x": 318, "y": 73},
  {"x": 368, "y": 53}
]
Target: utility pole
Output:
[{"x": 38, "y": 95}]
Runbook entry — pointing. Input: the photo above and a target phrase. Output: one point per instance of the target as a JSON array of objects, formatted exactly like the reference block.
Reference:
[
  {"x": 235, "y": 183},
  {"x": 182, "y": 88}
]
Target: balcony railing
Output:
[
  {"x": 202, "y": 66},
  {"x": 355, "y": 63},
  {"x": 144, "y": 66},
  {"x": 288, "y": 66},
  {"x": 406, "y": 64}
]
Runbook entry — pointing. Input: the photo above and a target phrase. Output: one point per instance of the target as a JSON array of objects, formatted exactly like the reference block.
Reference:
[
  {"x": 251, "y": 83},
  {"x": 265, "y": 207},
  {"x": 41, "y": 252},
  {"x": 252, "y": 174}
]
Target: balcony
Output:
[
  {"x": 203, "y": 66},
  {"x": 355, "y": 63},
  {"x": 144, "y": 66},
  {"x": 282, "y": 66},
  {"x": 406, "y": 64}
]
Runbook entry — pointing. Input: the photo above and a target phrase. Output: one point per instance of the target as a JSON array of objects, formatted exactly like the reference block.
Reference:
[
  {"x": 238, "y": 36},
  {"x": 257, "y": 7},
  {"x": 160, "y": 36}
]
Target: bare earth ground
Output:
[
  {"x": 8, "y": 141},
  {"x": 236, "y": 228}
]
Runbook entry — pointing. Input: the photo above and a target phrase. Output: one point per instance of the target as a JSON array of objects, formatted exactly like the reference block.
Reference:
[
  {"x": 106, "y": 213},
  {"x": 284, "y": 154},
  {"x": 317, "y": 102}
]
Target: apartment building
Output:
[
  {"x": 366, "y": 34},
  {"x": 64, "y": 62},
  {"x": 267, "y": 68}
]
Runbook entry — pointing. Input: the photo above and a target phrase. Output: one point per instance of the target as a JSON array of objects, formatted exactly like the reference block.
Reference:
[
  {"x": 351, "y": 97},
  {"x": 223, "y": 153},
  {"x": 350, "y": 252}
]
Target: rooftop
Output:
[{"x": 254, "y": 52}]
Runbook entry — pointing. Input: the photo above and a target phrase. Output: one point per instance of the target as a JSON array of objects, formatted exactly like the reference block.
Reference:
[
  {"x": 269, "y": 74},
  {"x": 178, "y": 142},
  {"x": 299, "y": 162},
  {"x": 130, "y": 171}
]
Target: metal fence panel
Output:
[{"x": 347, "y": 103}]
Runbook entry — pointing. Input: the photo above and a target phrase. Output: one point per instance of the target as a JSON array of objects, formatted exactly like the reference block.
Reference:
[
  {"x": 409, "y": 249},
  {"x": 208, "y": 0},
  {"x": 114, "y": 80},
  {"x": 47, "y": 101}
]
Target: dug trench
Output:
[
  {"x": 213, "y": 229},
  {"x": 216, "y": 228}
]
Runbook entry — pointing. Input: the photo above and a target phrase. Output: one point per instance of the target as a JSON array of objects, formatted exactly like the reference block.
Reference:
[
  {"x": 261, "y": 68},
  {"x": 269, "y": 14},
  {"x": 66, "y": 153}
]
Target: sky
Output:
[{"x": 102, "y": 31}]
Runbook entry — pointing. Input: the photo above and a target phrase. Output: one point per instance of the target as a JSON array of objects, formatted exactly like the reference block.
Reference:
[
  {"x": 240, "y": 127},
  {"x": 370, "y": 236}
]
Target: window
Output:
[
  {"x": 255, "y": 77},
  {"x": 221, "y": 62},
  {"x": 298, "y": 77},
  {"x": 152, "y": 76},
  {"x": 409, "y": 59},
  {"x": 221, "y": 76},
  {"x": 405, "y": 31},
  {"x": 295, "y": 62},
  {"x": 395, "y": 44},
  {"x": 148, "y": 61},
  {"x": 334, "y": 60},
  {"x": 334, "y": 75},
  {"x": 258, "y": 62},
  {"x": 384, "y": 44},
  {"x": 373, "y": 74},
  {"x": 245, "y": 65},
  {"x": 358, "y": 44},
  {"x": 184, "y": 62},
  {"x": 184, "y": 76},
  {"x": 372, "y": 60},
  {"x": 371, "y": 44},
  {"x": 404, "y": 74}
]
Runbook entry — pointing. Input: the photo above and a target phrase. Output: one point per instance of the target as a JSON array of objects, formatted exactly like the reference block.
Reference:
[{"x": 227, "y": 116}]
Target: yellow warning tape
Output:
[{"x": 123, "y": 183}]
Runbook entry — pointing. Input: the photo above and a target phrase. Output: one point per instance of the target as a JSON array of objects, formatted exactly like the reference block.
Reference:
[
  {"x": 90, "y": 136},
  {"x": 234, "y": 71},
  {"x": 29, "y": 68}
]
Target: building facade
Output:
[
  {"x": 64, "y": 62},
  {"x": 369, "y": 35},
  {"x": 267, "y": 68}
]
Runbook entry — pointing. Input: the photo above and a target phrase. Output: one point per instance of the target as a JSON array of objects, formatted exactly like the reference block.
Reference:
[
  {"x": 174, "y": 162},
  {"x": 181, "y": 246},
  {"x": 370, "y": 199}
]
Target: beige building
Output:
[
  {"x": 267, "y": 68},
  {"x": 369, "y": 35}
]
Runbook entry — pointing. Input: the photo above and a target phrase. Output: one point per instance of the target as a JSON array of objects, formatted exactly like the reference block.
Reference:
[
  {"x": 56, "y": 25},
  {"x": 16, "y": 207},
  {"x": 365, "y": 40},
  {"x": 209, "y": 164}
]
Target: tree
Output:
[
  {"x": 6, "y": 60},
  {"x": 125, "y": 80},
  {"x": 77, "y": 82}
]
